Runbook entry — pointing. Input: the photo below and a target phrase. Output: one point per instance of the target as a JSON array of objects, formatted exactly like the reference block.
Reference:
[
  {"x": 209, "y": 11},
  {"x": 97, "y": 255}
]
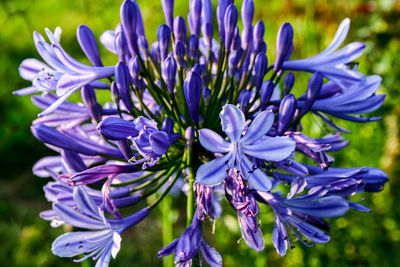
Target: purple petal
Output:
[
  {"x": 213, "y": 142},
  {"x": 210, "y": 255},
  {"x": 271, "y": 148},
  {"x": 232, "y": 121},
  {"x": 326, "y": 207},
  {"x": 255, "y": 176},
  {"x": 260, "y": 126},
  {"x": 159, "y": 142},
  {"x": 213, "y": 172}
]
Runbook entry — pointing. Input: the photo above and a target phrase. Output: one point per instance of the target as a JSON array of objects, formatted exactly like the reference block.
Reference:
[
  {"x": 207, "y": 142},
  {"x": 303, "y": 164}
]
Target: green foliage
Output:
[{"x": 357, "y": 239}]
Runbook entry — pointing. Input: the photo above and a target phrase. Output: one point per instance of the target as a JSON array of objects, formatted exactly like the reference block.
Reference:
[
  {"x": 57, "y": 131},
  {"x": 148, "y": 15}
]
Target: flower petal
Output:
[
  {"x": 232, "y": 121},
  {"x": 260, "y": 126},
  {"x": 271, "y": 148},
  {"x": 255, "y": 176},
  {"x": 214, "y": 172},
  {"x": 213, "y": 142}
]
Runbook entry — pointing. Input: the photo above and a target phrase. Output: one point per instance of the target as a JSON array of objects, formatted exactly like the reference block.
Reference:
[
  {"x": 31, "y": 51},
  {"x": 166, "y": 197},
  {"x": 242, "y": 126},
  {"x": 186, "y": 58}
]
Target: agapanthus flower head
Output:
[{"x": 193, "y": 113}]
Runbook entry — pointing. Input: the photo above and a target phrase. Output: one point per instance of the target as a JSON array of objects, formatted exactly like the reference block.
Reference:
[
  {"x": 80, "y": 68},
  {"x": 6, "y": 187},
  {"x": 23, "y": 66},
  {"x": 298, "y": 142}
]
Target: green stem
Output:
[{"x": 190, "y": 200}]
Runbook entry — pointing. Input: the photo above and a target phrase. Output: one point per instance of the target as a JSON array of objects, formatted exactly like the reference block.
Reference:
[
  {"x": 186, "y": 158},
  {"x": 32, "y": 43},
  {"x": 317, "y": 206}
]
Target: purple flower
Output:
[
  {"x": 242, "y": 199},
  {"x": 103, "y": 242},
  {"x": 357, "y": 99},
  {"x": 332, "y": 64},
  {"x": 205, "y": 202},
  {"x": 312, "y": 148},
  {"x": 254, "y": 143},
  {"x": 302, "y": 214}
]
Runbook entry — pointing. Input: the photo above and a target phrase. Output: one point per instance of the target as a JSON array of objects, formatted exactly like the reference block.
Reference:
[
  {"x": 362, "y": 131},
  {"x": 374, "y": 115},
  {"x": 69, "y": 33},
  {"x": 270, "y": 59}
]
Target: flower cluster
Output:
[{"x": 215, "y": 113}]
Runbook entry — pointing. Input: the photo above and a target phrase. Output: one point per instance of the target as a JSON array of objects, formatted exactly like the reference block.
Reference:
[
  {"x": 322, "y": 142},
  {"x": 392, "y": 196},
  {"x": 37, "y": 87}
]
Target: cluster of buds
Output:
[{"x": 189, "y": 109}]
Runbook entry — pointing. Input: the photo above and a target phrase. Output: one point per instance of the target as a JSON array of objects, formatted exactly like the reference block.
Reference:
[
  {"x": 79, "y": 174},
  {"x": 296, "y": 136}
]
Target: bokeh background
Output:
[{"x": 358, "y": 239}]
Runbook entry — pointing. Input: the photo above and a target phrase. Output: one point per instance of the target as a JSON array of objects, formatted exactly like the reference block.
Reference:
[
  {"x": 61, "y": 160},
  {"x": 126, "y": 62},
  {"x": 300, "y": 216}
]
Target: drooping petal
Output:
[
  {"x": 211, "y": 256},
  {"x": 280, "y": 237},
  {"x": 254, "y": 239}
]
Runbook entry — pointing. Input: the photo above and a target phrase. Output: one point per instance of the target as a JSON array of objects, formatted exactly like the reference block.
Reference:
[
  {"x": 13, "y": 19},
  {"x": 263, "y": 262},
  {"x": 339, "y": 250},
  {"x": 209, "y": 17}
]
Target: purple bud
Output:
[
  {"x": 155, "y": 52},
  {"x": 313, "y": 90},
  {"x": 236, "y": 41},
  {"x": 164, "y": 39},
  {"x": 284, "y": 45},
  {"x": 287, "y": 110},
  {"x": 143, "y": 46},
  {"x": 192, "y": 89},
  {"x": 207, "y": 11},
  {"x": 51, "y": 136},
  {"x": 260, "y": 47},
  {"x": 180, "y": 52},
  {"x": 114, "y": 93},
  {"x": 189, "y": 135},
  {"x": 169, "y": 69},
  {"x": 244, "y": 99},
  {"x": 288, "y": 82},
  {"x": 168, "y": 8},
  {"x": 90, "y": 100},
  {"x": 194, "y": 16},
  {"x": 208, "y": 33},
  {"x": 134, "y": 67},
  {"x": 206, "y": 94},
  {"x": 120, "y": 46},
  {"x": 128, "y": 20},
  {"x": 123, "y": 84},
  {"x": 259, "y": 31},
  {"x": 222, "y": 7},
  {"x": 168, "y": 125},
  {"x": 234, "y": 59},
  {"x": 230, "y": 22},
  {"x": 266, "y": 92},
  {"x": 260, "y": 69},
  {"x": 87, "y": 41},
  {"x": 247, "y": 19},
  {"x": 139, "y": 21},
  {"x": 180, "y": 30},
  {"x": 193, "y": 47},
  {"x": 114, "y": 128}
]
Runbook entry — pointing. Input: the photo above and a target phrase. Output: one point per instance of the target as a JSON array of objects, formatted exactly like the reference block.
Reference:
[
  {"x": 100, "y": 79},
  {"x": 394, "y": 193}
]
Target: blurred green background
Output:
[{"x": 358, "y": 239}]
